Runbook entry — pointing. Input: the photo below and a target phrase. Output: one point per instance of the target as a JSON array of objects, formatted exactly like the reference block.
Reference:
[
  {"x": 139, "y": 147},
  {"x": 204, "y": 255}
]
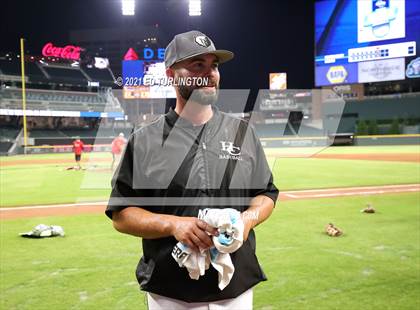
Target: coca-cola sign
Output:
[{"x": 66, "y": 52}]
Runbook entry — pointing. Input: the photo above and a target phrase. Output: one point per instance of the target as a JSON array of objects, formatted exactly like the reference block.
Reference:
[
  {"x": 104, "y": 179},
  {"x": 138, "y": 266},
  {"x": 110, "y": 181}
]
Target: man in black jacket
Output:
[{"x": 192, "y": 158}]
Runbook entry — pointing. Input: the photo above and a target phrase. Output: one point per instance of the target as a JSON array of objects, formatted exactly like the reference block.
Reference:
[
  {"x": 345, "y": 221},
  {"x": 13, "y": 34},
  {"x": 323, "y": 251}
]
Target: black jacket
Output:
[{"x": 173, "y": 167}]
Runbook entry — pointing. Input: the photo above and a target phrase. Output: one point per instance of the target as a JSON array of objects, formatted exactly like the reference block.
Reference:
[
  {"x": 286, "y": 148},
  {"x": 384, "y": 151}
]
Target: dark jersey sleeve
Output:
[
  {"x": 122, "y": 182},
  {"x": 262, "y": 181}
]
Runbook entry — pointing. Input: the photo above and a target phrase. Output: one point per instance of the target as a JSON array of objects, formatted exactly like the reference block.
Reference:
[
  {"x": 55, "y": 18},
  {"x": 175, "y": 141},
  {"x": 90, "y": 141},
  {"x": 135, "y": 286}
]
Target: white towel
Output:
[
  {"x": 195, "y": 262},
  {"x": 230, "y": 226}
]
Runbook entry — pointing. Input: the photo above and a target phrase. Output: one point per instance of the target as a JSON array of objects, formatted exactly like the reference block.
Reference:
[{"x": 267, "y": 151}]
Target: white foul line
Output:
[
  {"x": 372, "y": 192},
  {"x": 355, "y": 188}
]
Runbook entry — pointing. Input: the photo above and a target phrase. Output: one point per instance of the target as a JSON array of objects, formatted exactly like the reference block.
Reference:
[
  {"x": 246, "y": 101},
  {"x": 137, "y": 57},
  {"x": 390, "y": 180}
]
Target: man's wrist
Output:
[
  {"x": 169, "y": 224},
  {"x": 248, "y": 223}
]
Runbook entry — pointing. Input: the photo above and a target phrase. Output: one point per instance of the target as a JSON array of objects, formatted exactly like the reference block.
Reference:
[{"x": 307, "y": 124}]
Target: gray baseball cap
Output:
[{"x": 190, "y": 44}]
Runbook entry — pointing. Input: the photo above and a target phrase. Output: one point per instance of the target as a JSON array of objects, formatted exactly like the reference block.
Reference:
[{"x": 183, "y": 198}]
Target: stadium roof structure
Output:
[{"x": 45, "y": 72}]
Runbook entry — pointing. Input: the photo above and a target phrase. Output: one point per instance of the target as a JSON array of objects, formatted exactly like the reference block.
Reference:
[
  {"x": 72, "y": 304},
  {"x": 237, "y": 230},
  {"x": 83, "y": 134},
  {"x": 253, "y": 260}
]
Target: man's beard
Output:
[{"x": 199, "y": 95}]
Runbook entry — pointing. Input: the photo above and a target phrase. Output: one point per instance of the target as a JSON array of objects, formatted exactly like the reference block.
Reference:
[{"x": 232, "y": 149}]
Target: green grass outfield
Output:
[
  {"x": 50, "y": 183},
  {"x": 374, "y": 265}
]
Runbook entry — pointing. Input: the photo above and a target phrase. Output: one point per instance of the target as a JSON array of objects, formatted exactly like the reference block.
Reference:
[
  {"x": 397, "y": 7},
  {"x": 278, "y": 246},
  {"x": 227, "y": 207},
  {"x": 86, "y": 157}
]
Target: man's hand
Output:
[{"x": 193, "y": 232}]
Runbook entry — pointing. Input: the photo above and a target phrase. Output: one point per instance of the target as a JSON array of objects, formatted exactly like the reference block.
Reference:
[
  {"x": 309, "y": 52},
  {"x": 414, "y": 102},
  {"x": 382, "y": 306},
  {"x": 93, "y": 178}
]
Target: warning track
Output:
[{"x": 99, "y": 207}]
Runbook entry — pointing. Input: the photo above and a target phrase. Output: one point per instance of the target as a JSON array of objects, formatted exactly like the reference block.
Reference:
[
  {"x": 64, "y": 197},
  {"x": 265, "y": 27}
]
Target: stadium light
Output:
[
  {"x": 195, "y": 8},
  {"x": 128, "y": 7}
]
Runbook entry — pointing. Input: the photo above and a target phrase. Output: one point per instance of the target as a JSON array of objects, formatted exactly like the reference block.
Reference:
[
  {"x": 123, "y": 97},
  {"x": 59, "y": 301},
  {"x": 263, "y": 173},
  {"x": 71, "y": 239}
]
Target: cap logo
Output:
[{"x": 203, "y": 41}]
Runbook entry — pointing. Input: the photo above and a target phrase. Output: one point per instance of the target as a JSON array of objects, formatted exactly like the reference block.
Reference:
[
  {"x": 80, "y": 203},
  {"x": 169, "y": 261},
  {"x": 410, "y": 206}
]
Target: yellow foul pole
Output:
[{"x": 22, "y": 64}]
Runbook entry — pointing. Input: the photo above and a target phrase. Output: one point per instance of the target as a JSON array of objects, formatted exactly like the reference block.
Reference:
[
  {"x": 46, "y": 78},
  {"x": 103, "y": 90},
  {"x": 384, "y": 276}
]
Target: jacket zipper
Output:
[{"x": 205, "y": 165}]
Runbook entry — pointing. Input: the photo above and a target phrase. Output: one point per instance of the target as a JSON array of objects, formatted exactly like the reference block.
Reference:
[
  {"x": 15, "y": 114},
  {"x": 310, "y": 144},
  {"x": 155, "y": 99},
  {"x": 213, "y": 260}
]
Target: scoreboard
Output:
[{"x": 360, "y": 41}]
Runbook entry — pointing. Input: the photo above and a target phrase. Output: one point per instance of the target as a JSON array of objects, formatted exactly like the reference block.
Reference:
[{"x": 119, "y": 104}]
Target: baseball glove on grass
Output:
[
  {"x": 333, "y": 231},
  {"x": 368, "y": 209}
]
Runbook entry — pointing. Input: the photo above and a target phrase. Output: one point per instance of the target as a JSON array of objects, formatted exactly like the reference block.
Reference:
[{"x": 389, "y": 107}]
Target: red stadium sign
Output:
[{"x": 67, "y": 52}]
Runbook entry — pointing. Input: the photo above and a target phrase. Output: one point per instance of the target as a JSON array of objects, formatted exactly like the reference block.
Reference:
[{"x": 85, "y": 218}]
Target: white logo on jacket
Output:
[{"x": 230, "y": 151}]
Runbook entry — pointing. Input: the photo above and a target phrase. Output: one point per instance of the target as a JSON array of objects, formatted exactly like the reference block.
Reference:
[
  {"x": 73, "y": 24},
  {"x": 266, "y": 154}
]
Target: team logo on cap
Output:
[{"x": 203, "y": 41}]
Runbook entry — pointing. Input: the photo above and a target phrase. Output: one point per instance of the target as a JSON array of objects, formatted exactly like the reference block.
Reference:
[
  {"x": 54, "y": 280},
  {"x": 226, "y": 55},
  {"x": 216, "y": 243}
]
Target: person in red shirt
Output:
[
  {"x": 117, "y": 147},
  {"x": 78, "y": 147}
]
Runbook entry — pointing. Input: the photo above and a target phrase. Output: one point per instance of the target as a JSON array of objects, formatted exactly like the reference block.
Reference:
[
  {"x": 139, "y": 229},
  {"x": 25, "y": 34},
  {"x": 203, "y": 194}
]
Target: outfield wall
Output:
[
  {"x": 274, "y": 142},
  {"x": 378, "y": 109},
  {"x": 413, "y": 139}
]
